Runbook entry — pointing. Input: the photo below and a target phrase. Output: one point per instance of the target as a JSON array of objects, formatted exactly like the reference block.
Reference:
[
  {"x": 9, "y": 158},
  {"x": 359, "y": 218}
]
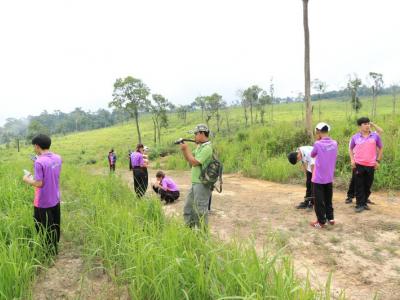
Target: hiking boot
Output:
[
  {"x": 359, "y": 209},
  {"x": 348, "y": 200},
  {"x": 302, "y": 205},
  {"x": 370, "y": 202},
  {"x": 317, "y": 224},
  {"x": 332, "y": 222}
]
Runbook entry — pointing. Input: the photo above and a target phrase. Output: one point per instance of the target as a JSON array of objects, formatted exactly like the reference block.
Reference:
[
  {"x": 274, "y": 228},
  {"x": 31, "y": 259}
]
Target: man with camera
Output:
[{"x": 196, "y": 206}]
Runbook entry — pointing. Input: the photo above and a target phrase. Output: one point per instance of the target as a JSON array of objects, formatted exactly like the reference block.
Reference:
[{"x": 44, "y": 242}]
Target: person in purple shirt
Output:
[
  {"x": 365, "y": 150},
  {"x": 166, "y": 188},
  {"x": 139, "y": 166},
  {"x": 325, "y": 153},
  {"x": 47, "y": 214}
]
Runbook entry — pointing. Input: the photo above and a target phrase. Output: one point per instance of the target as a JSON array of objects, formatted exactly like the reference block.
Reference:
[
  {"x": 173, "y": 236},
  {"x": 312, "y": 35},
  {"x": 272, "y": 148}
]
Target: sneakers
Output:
[
  {"x": 317, "y": 224},
  {"x": 348, "y": 200},
  {"x": 359, "y": 209},
  {"x": 302, "y": 205},
  {"x": 332, "y": 222}
]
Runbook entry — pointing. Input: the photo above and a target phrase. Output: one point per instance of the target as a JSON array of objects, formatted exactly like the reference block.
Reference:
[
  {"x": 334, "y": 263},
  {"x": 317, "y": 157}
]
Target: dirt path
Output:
[{"x": 361, "y": 250}]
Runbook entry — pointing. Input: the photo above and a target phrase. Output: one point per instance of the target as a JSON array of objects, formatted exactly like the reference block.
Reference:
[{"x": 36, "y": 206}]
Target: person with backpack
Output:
[
  {"x": 112, "y": 159},
  {"x": 166, "y": 188},
  {"x": 195, "y": 211}
]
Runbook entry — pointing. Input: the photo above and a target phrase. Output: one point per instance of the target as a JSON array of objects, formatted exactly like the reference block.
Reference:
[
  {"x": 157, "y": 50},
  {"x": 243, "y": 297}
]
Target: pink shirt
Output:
[
  {"x": 364, "y": 148},
  {"x": 47, "y": 169},
  {"x": 169, "y": 185},
  {"x": 325, "y": 154}
]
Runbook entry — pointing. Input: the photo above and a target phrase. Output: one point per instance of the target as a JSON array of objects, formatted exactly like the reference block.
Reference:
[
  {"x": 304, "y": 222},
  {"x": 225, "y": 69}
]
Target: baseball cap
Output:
[
  {"x": 200, "y": 128},
  {"x": 320, "y": 126}
]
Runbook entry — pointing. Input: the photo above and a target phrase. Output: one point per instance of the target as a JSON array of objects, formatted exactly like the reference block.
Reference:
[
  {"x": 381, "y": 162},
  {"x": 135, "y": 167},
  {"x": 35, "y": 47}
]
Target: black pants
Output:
[
  {"x": 364, "y": 177},
  {"x": 168, "y": 196},
  {"x": 140, "y": 181},
  {"x": 309, "y": 193},
  {"x": 112, "y": 168},
  {"x": 47, "y": 222},
  {"x": 323, "y": 202},
  {"x": 351, "y": 192}
]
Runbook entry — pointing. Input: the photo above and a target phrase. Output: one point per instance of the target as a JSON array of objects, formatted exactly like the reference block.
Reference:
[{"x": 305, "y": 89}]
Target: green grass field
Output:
[{"x": 157, "y": 257}]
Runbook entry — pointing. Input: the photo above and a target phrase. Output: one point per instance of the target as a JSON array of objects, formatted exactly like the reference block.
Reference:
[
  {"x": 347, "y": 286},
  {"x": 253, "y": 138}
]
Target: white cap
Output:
[
  {"x": 321, "y": 125},
  {"x": 145, "y": 148}
]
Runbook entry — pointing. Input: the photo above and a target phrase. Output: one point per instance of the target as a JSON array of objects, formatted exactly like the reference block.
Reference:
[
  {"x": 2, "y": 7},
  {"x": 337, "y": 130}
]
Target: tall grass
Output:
[
  {"x": 21, "y": 254},
  {"x": 159, "y": 258}
]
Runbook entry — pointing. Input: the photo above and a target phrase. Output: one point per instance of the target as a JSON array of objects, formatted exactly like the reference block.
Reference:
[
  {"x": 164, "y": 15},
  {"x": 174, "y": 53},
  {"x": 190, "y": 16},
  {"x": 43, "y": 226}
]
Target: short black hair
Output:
[
  {"x": 363, "y": 120},
  {"x": 42, "y": 140},
  {"x": 292, "y": 157},
  {"x": 160, "y": 174}
]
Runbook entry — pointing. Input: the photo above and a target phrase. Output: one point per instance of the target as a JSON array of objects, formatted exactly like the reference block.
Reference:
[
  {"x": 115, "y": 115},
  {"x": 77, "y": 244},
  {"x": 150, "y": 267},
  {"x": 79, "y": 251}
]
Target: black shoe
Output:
[
  {"x": 359, "y": 209},
  {"x": 348, "y": 200},
  {"x": 366, "y": 207},
  {"x": 302, "y": 205},
  {"x": 370, "y": 202}
]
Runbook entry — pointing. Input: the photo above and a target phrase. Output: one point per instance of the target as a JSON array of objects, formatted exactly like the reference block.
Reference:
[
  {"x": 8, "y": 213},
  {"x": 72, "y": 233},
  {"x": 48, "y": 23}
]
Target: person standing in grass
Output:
[
  {"x": 166, "y": 188},
  {"x": 195, "y": 211},
  {"x": 46, "y": 204},
  {"x": 325, "y": 153},
  {"x": 303, "y": 154},
  {"x": 112, "y": 159},
  {"x": 351, "y": 192},
  {"x": 365, "y": 150},
  {"x": 139, "y": 167}
]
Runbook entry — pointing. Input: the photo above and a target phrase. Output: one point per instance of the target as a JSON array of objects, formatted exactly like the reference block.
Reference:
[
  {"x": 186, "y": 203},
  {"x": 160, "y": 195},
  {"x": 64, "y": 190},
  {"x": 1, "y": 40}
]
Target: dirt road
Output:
[{"x": 361, "y": 250}]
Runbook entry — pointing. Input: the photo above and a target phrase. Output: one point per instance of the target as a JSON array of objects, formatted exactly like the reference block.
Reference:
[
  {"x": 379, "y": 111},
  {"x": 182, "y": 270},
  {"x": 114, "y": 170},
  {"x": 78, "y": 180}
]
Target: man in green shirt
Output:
[{"x": 196, "y": 206}]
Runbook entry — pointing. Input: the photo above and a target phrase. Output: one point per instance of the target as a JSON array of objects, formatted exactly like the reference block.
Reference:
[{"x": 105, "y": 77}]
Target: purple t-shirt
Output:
[
  {"x": 137, "y": 159},
  {"x": 325, "y": 153},
  {"x": 47, "y": 169},
  {"x": 169, "y": 185},
  {"x": 364, "y": 148}
]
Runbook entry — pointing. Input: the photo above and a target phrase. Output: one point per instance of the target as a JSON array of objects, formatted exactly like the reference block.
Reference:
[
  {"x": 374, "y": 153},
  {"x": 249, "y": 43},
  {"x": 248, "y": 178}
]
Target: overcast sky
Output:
[{"x": 66, "y": 54}]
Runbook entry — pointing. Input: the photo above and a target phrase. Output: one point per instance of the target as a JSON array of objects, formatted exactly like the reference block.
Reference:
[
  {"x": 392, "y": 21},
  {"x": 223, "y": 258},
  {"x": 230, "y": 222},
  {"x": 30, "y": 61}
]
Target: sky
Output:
[{"x": 62, "y": 54}]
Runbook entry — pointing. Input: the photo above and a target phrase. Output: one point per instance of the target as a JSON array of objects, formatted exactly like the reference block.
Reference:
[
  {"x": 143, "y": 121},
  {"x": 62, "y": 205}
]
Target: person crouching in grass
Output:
[
  {"x": 166, "y": 188},
  {"x": 303, "y": 154},
  {"x": 46, "y": 181},
  {"x": 325, "y": 153},
  {"x": 365, "y": 151}
]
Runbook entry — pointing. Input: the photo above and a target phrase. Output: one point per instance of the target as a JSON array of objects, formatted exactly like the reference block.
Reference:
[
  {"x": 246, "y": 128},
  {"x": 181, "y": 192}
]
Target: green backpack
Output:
[{"x": 212, "y": 174}]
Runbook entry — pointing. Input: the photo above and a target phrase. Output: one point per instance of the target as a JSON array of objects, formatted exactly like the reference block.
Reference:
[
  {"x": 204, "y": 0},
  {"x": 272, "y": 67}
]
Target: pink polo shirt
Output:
[{"x": 364, "y": 148}]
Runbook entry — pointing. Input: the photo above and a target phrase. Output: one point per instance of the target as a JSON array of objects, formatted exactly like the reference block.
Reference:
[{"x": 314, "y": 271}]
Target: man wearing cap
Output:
[
  {"x": 325, "y": 154},
  {"x": 365, "y": 151},
  {"x": 303, "y": 154},
  {"x": 196, "y": 206}
]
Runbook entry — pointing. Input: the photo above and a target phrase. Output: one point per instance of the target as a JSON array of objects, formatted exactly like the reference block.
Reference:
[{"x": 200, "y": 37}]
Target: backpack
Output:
[{"x": 212, "y": 174}]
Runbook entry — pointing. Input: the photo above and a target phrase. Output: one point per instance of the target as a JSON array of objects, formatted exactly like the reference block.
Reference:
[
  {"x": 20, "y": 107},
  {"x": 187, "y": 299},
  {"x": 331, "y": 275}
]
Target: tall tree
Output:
[
  {"x": 251, "y": 94},
  {"x": 272, "y": 92},
  {"x": 158, "y": 111},
  {"x": 182, "y": 111},
  {"x": 131, "y": 94},
  {"x": 353, "y": 85},
  {"x": 320, "y": 88},
  {"x": 307, "y": 80},
  {"x": 377, "y": 85},
  {"x": 200, "y": 102},
  {"x": 263, "y": 101},
  {"x": 243, "y": 102},
  {"x": 214, "y": 104}
]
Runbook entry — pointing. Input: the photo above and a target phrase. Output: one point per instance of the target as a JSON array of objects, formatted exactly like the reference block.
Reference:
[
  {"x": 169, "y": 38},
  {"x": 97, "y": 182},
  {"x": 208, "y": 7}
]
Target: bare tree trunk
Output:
[
  {"x": 251, "y": 114},
  {"x": 17, "y": 144},
  {"x": 155, "y": 131},
  {"x": 307, "y": 80},
  {"x": 136, "y": 115}
]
